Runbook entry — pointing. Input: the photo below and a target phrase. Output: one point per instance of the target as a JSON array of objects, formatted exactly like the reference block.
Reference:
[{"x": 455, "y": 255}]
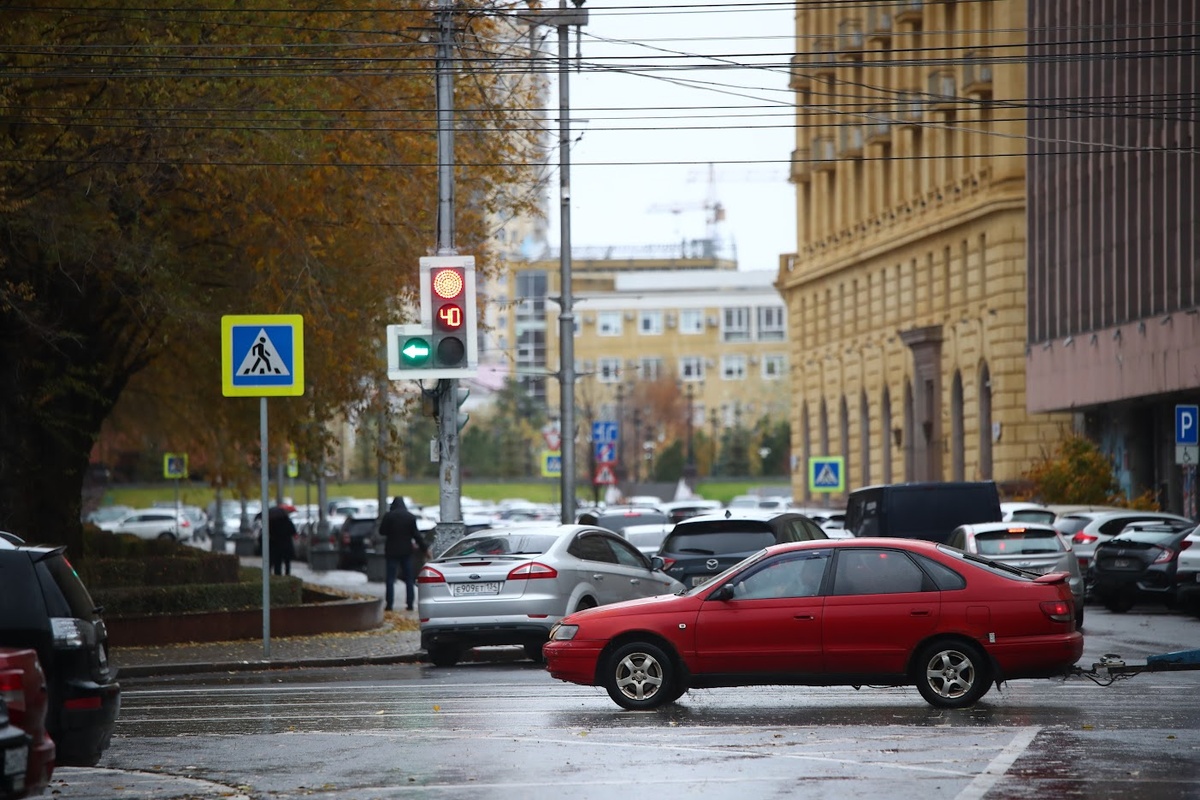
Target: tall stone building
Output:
[
  {"x": 906, "y": 295},
  {"x": 1114, "y": 262}
]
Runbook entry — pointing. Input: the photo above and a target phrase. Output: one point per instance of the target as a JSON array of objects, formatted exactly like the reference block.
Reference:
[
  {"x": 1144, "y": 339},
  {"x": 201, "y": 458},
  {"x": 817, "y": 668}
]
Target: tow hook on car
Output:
[{"x": 1112, "y": 668}]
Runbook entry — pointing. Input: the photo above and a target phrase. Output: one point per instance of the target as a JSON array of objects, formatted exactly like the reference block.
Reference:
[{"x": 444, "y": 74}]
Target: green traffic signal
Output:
[{"x": 415, "y": 352}]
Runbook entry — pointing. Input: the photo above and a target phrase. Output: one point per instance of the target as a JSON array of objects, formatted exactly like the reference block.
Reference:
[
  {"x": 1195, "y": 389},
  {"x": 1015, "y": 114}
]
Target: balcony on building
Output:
[
  {"x": 850, "y": 140},
  {"x": 879, "y": 22},
  {"x": 799, "y": 79},
  {"x": 977, "y": 75},
  {"x": 824, "y": 153},
  {"x": 909, "y": 108},
  {"x": 850, "y": 39},
  {"x": 908, "y": 11},
  {"x": 879, "y": 125},
  {"x": 943, "y": 95},
  {"x": 801, "y": 169}
]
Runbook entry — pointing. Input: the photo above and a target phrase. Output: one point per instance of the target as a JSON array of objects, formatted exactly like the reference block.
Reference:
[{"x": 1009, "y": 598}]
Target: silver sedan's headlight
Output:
[{"x": 562, "y": 633}]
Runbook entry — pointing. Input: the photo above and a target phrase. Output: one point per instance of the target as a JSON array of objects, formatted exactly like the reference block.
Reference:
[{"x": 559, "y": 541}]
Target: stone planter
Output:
[
  {"x": 216, "y": 542},
  {"x": 322, "y": 559},
  {"x": 245, "y": 546}
]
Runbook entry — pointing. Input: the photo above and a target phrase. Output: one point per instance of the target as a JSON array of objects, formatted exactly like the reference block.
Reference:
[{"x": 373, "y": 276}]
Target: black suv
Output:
[
  {"x": 355, "y": 541},
  {"x": 44, "y": 606},
  {"x": 699, "y": 548}
]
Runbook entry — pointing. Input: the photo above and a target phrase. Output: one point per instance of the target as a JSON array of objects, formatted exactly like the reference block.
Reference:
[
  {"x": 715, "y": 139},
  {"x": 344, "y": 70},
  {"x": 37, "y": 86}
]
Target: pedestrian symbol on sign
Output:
[{"x": 263, "y": 358}]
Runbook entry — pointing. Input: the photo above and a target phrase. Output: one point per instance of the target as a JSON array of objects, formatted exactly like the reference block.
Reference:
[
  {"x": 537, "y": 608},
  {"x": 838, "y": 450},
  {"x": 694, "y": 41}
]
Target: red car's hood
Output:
[{"x": 643, "y": 605}]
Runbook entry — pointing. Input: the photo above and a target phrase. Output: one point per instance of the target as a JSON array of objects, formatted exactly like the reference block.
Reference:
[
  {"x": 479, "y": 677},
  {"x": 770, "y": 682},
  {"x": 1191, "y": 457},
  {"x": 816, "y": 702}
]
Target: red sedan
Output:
[{"x": 851, "y": 612}]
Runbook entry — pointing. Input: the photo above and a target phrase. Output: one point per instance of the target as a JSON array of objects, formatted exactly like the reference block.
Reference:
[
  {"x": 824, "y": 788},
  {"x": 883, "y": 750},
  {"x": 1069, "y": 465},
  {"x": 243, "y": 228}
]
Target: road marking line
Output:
[{"x": 996, "y": 770}]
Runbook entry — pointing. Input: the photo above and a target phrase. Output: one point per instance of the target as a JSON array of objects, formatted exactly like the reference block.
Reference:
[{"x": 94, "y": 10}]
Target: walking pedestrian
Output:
[
  {"x": 282, "y": 534},
  {"x": 401, "y": 539}
]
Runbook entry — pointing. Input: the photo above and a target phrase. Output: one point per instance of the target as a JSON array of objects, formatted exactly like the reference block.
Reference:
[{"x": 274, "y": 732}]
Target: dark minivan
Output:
[
  {"x": 929, "y": 511},
  {"x": 45, "y": 607}
]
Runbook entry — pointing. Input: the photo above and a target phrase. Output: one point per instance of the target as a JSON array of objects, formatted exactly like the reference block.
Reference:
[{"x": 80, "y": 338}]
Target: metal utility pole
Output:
[{"x": 450, "y": 527}]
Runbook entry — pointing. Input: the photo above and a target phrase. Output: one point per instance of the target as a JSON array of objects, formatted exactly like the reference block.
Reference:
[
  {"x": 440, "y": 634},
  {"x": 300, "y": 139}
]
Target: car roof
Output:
[
  {"x": 993, "y": 527},
  {"x": 1123, "y": 512},
  {"x": 763, "y": 514}
]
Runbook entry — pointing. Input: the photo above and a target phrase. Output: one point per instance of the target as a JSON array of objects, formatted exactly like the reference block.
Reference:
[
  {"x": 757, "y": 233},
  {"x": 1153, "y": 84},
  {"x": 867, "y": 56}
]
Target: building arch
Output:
[
  {"x": 909, "y": 434},
  {"x": 985, "y": 422},
  {"x": 958, "y": 467},
  {"x": 844, "y": 437},
  {"x": 864, "y": 437},
  {"x": 886, "y": 432}
]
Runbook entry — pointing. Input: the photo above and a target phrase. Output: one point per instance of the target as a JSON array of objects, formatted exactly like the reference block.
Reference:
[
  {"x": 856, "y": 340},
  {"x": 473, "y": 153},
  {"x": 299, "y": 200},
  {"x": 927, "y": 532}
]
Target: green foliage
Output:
[
  {"x": 1077, "y": 472},
  {"x": 668, "y": 463},
  {"x": 286, "y": 590}
]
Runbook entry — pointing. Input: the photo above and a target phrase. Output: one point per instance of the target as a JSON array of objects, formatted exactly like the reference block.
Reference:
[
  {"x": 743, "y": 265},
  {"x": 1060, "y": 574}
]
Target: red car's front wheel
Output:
[{"x": 640, "y": 676}]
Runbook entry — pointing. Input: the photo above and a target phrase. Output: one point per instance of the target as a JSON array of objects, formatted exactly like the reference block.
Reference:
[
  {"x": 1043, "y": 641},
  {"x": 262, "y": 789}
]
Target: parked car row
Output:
[{"x": 56, "y": 683}]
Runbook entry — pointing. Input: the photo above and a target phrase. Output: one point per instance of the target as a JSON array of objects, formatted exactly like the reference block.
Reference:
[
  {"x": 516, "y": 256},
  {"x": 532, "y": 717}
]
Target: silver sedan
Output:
[{"x": 510, "y": 585}]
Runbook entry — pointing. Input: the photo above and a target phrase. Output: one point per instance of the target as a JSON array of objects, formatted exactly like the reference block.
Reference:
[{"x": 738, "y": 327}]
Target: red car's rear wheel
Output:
[{"x": 952, "y": 674}]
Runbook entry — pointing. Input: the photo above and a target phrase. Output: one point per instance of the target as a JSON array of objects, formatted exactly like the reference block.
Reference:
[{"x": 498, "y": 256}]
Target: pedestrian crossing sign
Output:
[
  {"x": 262, "y": 355},
  {"x": 826, "y": 474}
]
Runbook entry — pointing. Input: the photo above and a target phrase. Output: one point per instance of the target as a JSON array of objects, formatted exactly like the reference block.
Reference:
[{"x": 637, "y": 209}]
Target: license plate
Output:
[
  {"x": 701, "y": 579},
  {"x": 15, "y": 760},
  {"x": 1122, "y": 563},
  {"x": 468, "y": 589}
]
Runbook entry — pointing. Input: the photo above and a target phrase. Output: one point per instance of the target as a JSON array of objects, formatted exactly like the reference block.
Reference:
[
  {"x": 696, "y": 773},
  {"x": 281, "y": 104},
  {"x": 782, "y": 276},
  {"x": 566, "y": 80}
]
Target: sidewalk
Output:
[{"x": 398, "y": 640}]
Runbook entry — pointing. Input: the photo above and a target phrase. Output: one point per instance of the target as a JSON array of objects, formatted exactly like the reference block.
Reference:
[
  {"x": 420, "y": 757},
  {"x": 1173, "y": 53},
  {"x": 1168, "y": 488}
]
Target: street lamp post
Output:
[
  {"x": 689, "y": 465},
  {"x": 637, "y": 440},
  {"x": 714, "y": 419}
]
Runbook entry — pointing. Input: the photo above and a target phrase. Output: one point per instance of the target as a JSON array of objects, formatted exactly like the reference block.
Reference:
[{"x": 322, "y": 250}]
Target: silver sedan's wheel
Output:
[
  {"x": 640, "y": 676},
  {"x": 952, "y": 674}
]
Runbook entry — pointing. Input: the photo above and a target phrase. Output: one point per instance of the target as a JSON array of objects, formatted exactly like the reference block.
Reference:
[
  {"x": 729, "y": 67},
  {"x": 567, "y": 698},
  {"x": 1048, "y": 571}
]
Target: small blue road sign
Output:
[
  {"x": 826, "y": 474},
  {"x": 1187, "y": 431},
  {"x": 551, "y": 463},
  {"x": 604, "y": 432},
  {"x": 606, "y": 453},
  {"x": 262, "y": 356}
]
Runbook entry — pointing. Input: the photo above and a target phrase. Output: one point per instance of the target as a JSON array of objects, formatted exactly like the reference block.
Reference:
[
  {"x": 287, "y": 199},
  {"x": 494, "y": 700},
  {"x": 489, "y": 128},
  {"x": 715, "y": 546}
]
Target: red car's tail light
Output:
[
  {"x": 1058, "y": 610},
  {"x": 430, "y": 575},
  {"x": 1166, "y": 556},
  {"x": 1084, "y": 538},
  {"x": 531, "y": 571},
  {"x": 12, "y": 689}
]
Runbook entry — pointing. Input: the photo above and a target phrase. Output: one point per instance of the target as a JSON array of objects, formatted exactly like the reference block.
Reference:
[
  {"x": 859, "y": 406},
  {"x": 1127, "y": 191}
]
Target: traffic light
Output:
[{"x": 443, "y": 344}]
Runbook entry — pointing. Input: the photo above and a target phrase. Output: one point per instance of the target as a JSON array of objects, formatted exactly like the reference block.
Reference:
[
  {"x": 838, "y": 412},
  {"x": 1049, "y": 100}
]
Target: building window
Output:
[
  {"x": 609, "y": 370},
  {"x": 737, "y": 325},
  {"x": 772, "y": 327},
  {"x": 691, "y": 321},
  {"x": 608, "y": 323},
  {"x": 651, "y": 369},
  {"x": 733, "y": 368},
  {"x": 650, "y": 323},
  {"x": 691, "y": 368},
  {"x": 773, "y": 367}
]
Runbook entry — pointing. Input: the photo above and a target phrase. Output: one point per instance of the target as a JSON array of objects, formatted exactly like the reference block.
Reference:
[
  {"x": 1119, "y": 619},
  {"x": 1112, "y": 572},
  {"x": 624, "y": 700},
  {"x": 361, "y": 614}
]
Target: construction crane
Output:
[{"x": 714, "y": 212}]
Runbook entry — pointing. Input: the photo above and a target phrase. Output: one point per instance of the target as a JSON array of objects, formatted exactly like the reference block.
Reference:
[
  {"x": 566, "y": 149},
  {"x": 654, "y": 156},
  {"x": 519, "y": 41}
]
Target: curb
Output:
[{"x": 259, "y": 665}]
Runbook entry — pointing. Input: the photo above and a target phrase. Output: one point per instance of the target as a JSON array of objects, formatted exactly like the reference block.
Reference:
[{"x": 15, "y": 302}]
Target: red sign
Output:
[
  {"x": 553, "y": 439},
  {"x": 605, "y": 476}
]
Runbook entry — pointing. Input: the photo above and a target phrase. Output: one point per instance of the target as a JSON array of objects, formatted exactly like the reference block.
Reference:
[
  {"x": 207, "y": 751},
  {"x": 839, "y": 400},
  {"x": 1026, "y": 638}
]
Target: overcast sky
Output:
[{"x": 647, "y": 127}]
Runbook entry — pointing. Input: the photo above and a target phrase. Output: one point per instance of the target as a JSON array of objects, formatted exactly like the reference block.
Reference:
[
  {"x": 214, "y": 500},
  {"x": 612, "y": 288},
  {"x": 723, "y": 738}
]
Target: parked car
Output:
[
  {"x": 1138, "y": 564},
  {"x": 45, "y": 607},
  {"x": 23, "y": 694},
  {"x": 618, "y": 518},
  {"x": 678, "y": 510},
  {"x": 509, "y": 586},
  {"x": 1086, "y": 529},
  {"x": 14, "y": 749},
  {"x": 831, "y": 520},
  {"x": 1031, "y": 546},
  {"x": 152, "y": 523},
  {"x": 1028, "y": 512},
  {"x": 647, "y": 538},
  {"x": 356, "y": 540},
  {"x": 699, "y": 548},
  {"x": 854, "y": 612},
  {"x": 108, "y": 514},
  {"x": 1187, "y": 573},
  {"x": 927, "y": 511}
]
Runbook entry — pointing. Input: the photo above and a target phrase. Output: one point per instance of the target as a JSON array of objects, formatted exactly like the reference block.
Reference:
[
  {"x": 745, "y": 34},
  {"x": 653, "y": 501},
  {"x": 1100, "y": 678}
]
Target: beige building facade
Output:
[{"x": 906, "y": 294}]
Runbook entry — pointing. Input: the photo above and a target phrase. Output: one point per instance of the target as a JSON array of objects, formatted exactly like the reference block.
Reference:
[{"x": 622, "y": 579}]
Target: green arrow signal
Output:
[{"x": 415, "y": 352}]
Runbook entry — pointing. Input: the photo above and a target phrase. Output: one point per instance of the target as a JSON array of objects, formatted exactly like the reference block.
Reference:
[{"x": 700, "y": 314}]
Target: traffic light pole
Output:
[{"x": 450, "y": 526}]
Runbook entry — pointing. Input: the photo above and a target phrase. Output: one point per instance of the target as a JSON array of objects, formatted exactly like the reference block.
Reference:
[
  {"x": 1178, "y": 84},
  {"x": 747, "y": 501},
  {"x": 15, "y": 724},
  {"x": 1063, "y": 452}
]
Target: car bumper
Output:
[
  {"x": 483, "y": 634},
  {"x": 574, "y": 662},
  {"x": 1037, "y": 656},
  {"x": 84, "y": 722}
]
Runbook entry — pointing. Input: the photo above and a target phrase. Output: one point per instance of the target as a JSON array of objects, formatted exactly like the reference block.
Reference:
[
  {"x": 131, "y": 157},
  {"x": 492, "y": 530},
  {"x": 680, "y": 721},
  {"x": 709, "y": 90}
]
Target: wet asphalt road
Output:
[{"x": 488, "y": 730}]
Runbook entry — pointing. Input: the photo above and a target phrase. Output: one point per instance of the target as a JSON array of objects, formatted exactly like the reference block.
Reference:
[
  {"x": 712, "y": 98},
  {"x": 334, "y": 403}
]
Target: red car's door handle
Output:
[
  {"x": 803, "y": 616},
  {"x": 920, "y": 612}
]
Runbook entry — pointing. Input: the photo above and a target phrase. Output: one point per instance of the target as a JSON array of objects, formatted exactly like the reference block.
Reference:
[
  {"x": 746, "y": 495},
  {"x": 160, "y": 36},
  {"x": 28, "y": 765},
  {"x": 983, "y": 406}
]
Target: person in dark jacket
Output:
[
  {"x": 282, "y": 533},
  {"x": 401, "y": 539}
]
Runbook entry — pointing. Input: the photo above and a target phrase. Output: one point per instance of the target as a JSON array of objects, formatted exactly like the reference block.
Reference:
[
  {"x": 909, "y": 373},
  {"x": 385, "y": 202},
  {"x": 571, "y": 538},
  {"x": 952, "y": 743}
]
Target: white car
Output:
[
  {"x": 1187, "y": 574},
  {"x": 647, "y": 538},
  {"x": 1027, "y": 512},
  {"x": 1086, "y": 529},
  {"x": 510, "y": 586},
  {"x": 153, "y": 523}
]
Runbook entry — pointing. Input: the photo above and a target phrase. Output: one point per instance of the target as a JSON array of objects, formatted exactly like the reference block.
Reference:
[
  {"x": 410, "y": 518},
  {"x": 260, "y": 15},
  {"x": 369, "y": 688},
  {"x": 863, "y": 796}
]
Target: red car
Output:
[
  {"x": 829, "y": 612},
  {"x": 24, "y": 693}
]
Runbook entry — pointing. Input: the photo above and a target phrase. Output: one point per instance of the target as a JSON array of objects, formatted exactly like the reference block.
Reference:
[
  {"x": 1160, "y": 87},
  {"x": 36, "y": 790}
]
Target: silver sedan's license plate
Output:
[
  {"x": 1122, "y": 563},
  {"x": 468, "y": 589},
  {"x": 15, "y": 760}
]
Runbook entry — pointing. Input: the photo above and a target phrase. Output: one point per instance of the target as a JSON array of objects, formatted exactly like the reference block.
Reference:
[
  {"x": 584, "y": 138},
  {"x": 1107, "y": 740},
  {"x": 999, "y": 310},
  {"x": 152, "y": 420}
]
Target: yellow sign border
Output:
[
  {"x": 229, "y": 322},
  {"x": 816, "y": 461}
]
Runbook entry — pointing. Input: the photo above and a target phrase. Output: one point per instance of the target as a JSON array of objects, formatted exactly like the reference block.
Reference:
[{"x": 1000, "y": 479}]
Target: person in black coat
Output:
[
  {"x": 401, "y": 539},
  {"x": 282, "y": 533}
]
